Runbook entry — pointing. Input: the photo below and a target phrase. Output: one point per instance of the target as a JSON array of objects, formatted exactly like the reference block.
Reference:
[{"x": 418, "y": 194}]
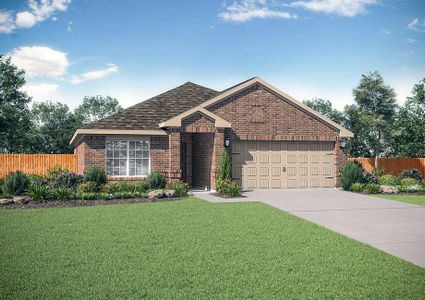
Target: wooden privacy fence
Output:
[
  {"x": 36, "y": 163},
  {"x": 392, "y": 165}
]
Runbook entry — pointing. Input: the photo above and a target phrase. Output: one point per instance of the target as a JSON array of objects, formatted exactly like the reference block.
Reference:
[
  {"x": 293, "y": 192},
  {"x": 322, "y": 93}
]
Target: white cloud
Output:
[
  {"x": 346, "y": 8},
  {"x": 25, "y": 19},
  {"x": 41, "y": 91},
  {"x": 386, "y": 31},
  {"x": 39, "y": 11},
  {"x": 411, "y": 41},
  {"x": 6, "y": 22},
  {"x": 38, "y": 60},
  {"x": 92, "y": 75},
  {"x": 417, "y": 25},
  {"x": 246, "y": 10},
  {"x": 69, "y": 27}
]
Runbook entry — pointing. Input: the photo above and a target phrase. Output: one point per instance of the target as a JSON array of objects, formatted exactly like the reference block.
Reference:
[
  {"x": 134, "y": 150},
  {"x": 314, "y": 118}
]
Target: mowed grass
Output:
[
  {"x": 190, "y": 249},
  {"x": 413, "y": 199}
]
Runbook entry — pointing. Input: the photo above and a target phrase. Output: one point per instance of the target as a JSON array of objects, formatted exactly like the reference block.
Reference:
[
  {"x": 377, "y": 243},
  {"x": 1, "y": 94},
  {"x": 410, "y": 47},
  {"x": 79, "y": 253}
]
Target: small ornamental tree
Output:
[{"x": 224, "y": 170}]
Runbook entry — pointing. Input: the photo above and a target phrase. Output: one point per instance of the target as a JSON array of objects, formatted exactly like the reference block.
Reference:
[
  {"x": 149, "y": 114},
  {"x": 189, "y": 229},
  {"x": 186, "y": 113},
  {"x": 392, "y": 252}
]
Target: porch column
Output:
[
  {"x": 218, "y": 148},
  {"x": 174, "y": 172}
]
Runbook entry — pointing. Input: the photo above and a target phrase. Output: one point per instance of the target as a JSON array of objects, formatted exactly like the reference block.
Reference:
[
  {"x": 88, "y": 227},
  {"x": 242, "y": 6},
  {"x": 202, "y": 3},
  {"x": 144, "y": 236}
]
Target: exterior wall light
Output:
[{"x": 226, "y": 142}]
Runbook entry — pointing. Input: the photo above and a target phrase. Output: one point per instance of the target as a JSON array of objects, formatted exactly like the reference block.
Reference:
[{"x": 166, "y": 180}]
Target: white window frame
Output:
[{"x": 128, "y": 139}]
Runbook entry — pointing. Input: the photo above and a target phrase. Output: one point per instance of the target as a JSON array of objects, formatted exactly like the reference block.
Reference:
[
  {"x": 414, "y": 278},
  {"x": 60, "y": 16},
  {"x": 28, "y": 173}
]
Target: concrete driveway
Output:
[{"x": 395, "y": 227}]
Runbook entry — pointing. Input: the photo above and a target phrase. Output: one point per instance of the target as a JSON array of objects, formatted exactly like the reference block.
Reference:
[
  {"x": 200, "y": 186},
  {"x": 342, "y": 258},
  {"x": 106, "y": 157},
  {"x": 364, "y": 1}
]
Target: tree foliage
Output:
[
  {"x": 95, "y": 108},
  {"x": 325, "y": 108},
  {"x": 408, "y": 136},
  {"x": 54, "y": 127},
  {"x": 15, "y": 122},
  {"x": 372, "y": 115}
]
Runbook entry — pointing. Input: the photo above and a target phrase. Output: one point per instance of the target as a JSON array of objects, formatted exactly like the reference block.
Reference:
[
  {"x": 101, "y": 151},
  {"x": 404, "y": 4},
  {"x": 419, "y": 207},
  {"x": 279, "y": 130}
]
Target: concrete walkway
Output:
[{"x": 395, "y": 227}]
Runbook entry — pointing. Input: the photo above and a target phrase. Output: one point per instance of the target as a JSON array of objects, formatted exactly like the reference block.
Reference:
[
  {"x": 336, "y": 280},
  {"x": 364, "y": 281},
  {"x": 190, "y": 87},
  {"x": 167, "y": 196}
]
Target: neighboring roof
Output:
[
  {"x": 148, "y": 114},
  {"x": 177, "y": 120}
]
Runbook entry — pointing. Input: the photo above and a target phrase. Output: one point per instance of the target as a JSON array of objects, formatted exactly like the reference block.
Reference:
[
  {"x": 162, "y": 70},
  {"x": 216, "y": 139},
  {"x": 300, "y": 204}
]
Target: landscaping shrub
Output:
[
  {"x": 87, "y": 196},
  {"x": 87, "y": 187},
  {"x": 67, "y": 180},
  {"x": 351, "y": 173},
  {"x": 411, "y": 173},
  {"x": 123, "y": 195},
  {"x": 389, "y": 180},
  {"x": 372, "y": 188},
  {"x": 39, "y": 193},
  {"x": 378, "y": 172},
  {"x": 37, "y": 179},
  {"x": 180, "y": 188},
  {"x": 156, "y": 180},
  {"x": 228, "y": 187},
  {"x": 409, "y": 181},
  {"x": 137, "y": 187},
  {"x": 357, "y": 187},
  {"x": 52, "y": 173},
  {"x": 15, "y": 183},
  {"x": 370, "y": 177},
  {"x": 224, "y": 171},
  {"x": 95, "y": 174},
  {"x": 232, "y": 189},
  {"x": 63, "y": 193}
]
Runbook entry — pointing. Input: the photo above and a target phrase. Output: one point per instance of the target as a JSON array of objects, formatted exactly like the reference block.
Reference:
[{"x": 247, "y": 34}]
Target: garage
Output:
[{"x": 282, "y": 164}]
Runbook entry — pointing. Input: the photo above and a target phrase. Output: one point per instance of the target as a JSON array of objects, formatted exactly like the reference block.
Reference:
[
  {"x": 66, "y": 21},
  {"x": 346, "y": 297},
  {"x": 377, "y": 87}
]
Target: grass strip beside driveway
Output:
[{"x": 413, "y": 199}]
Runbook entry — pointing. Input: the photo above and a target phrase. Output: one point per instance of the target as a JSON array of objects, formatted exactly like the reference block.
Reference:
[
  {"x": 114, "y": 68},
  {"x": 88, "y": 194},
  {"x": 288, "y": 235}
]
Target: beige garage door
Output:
[{"x": 281, "y": 165}]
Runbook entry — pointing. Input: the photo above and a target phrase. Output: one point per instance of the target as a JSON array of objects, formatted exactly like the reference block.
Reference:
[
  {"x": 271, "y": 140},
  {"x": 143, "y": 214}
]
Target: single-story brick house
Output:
[{"x": 274, "y": 140}]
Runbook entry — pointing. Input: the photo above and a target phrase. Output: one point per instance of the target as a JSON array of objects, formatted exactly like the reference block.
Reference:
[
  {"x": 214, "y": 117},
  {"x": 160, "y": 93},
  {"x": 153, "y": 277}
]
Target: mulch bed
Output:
[{"x": 73, "y": 203}]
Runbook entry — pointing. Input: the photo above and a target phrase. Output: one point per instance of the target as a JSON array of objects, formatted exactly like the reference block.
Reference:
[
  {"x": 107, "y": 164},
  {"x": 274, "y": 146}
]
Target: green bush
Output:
[
  {"x": 232, "y": 189},
  {"x": 87, "y": 187},
  {"x": 156, "y": 180},
  {"x": 15, "y": 183},
  {"x": 180, "y": 188},
  {"x": 409, "y": 181},
  {"x": 411, "y": 173},
  {"x": 63, "y": 193},
  {"x": 370, "y": 177},
  {"x": 389, "y": 180},
  {"x": 55, "y": 171},
  {"x": 357, "y": 187},
  {"x": 123, "y": 195},
  {"x": 372, "y": 188},
  {"x": 378, "y": 172},
  {"x": 228, "y": 187},
  {"x": 88, "y": 196},
  {"x": 351, "y": 173},
  {"x": 95, "y": 174},
  {"x": 39, "y": 193},
  {"x": 411, "y": 188},
  {"x": 137, "y": 187},
  {"x": 224, "y": 171}
]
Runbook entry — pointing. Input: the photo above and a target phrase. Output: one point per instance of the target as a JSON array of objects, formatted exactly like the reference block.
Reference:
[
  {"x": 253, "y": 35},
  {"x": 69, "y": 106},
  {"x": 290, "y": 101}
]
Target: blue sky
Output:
[{"x": 133, "y": 50}]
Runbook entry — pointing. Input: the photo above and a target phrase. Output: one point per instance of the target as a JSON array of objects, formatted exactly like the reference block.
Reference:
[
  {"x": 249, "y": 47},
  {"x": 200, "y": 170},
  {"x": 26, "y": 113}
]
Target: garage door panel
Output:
[
  {"x": 264, "y": 171},
  {"x": 273, "y": 164},
  {"x": 276, "y": 184},
  {"x": 276, "y": 171}
]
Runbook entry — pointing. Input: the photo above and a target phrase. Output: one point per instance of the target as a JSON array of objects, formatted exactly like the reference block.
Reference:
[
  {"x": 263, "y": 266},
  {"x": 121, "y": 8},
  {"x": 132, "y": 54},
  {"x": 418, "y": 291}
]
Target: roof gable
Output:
[{"x": 343, "y": 132}]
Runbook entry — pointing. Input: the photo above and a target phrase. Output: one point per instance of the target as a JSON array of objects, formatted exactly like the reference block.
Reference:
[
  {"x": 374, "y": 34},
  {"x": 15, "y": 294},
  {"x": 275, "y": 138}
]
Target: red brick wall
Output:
[
  {"x": 91, "y": 152},
  {"x": 258, "y": 114},
  {"x": 198, "y": 123}
]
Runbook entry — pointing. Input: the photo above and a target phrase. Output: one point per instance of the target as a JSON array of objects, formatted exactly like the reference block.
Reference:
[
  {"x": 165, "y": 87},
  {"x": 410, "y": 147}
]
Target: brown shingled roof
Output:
[{"x": 148, "y": 114}]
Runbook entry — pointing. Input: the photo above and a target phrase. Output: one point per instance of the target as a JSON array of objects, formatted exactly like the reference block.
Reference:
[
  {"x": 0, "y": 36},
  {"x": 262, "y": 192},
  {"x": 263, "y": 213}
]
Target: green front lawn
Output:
[
  {"x": 414, "y": 199},
  {"x": 190, "y": 249}
]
